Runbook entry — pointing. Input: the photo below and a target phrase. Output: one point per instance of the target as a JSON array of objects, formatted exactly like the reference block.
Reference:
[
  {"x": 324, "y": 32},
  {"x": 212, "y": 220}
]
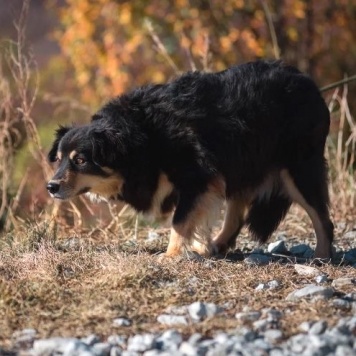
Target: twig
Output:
[
  {"x": 337, "y": 84},
  {"x": 276, "y": 49}
]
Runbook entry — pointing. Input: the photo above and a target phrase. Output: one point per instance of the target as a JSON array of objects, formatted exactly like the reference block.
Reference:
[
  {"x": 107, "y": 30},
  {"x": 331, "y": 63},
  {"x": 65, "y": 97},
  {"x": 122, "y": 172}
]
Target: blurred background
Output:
[{"x": 61, "y": 59}]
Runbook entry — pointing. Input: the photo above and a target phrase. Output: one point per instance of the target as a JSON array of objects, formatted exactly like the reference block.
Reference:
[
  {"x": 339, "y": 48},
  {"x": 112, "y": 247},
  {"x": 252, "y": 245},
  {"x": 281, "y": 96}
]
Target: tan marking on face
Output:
[
  {"x": 196, "y": 230},
  {"x": 107, "y": 170},
  {"x": 73, "y": 154}
]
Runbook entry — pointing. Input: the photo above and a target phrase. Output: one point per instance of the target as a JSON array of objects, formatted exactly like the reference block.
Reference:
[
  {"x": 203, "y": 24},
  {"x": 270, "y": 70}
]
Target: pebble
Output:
[
  {"x": 306, "y": 270},
  {"x": 344, "y": 281},
  {"x": 322, "y": 278},
  {"x": 199, "y": 311},
  {"x": 248, "y": 316},
  {"x": 170, "y": 320},
  {"x": 302, "y": 250},
  {"x": 342, "y": 304},
  {"x": 318, "y": 339},
  {"x": 277, "y": 247},
  {"x": 318, "y": 327},
  {"x": 311, "y": 291},
  {"x": 24, "y": 338},
  {"x": 121, "y": 322},
  {"x": 257, "y": 260}
]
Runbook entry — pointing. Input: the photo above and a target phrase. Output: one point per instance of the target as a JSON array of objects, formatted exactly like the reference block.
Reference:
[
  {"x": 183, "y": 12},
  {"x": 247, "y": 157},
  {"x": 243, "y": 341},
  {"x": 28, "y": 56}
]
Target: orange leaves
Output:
[{"x": 111, "y": 50}]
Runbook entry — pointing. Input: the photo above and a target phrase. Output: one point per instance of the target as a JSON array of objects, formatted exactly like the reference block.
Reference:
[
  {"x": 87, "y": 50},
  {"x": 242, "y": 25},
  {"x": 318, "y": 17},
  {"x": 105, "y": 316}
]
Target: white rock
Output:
[
  {"x": 257, "y": 260},
  {"x": 121, "y": 322},
  {"x": 306, "y": 270},
  {"x": 248, "y": 316},
  {"x": 171, "y": 320},
  {"x": 61, "y": 346},
  {"x": 277, "y": 247},
  {"x": 311, "y": 291},
  {"x": 344, "y": 281}
]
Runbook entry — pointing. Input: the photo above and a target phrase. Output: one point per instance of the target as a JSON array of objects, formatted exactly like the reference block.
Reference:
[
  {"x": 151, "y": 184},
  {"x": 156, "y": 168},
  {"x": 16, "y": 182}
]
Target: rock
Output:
[
  {"x": 152, "y": 236},
  {"x": 141, "y": 342},
  {"x": 248, "y": 316},
  {"x": 272, "y": 314},
  {"x": 115, "y": 351},
  {"x": 102, "y": 348},
  {"x": 344, "y": 350},
  {"x": 61, "y": 345},
  {"x": 273, "y": 335},
  {"x": 257, "y": 260},
  {"x": 277, "y": 247},
  {"x": 261, "y": 286},
  {"x": 91, "y": 339},
  {"x": 199, "y": 311},
  {"x": 188, "y": 349},
  {"x": 342, "y": 304},
  {"x": 121, "y": 322},
  {"x": 24, "y": 338},
  {"x": 344, "y": 281},
  {"x": 306, "y": 270},
  {"x": 169, "y": 340},
  {"x": 311, "y": 291},
  {"x": 117, "y": 340},
  {"x": 305, "y": 326},
  {"x": 302, "y": 250},
  {"x": 350, "y": 256},
  {"x": 322, "y": 278},
  {"x": 273, "y": 284},
  {"x": 171, "y": 320},
  {"x": 318, "y": 327},
  {"x": 350, "y": 235},
  {"x": 261, "y": 325},
  {"x": 177, "y": 310}
]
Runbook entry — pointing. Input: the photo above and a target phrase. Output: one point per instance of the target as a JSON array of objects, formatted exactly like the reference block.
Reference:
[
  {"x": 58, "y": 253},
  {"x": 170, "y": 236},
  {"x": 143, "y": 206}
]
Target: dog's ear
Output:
[
  {"x": 60, "y": 132},
  {"x": 107, "y": 146}
]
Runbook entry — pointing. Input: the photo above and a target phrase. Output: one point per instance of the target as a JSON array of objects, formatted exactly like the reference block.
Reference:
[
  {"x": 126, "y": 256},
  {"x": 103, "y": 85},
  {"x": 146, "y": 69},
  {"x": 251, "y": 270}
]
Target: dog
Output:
[{"x": 252, "y": 135}]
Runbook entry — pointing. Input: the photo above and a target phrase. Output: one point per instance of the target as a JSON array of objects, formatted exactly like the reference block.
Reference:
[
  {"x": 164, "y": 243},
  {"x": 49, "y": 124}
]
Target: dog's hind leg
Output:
[
  {"x": 266, "y": 214},
  {"x": 235, "y": 214},
  {"x": 306, "y": 184}
]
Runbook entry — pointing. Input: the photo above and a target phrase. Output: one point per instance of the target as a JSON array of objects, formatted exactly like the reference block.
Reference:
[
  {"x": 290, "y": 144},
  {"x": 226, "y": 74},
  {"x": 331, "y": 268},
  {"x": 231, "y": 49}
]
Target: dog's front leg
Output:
[{"x": 193, "y": 220}]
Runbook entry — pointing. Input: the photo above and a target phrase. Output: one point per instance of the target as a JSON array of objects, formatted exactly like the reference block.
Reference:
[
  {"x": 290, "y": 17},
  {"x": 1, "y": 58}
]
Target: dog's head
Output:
[{"x": 85, "y": 158}]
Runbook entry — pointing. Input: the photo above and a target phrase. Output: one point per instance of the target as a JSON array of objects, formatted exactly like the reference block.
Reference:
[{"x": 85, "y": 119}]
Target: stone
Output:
[
  {"x": 141, "y": 342},
  {"x": 318, "y": 327},
  {"x": 277, "y": 247},
  {"x": 117, "y": 340},
  {"x": 344, "y": 350},
  {"x": 59, "y": 346},
  {"x": 311, "y": 291},
  {"x": 170, "y": 340},
  {"x": 350, "y": 256},
  {"x": 248, "y": 316},
  {"x": 24, "y": 338},
  {"x": 121, "y": 322},
  {"x": 344, "y": 281},
  {"x": 171, "y": 320},
  {"x": 322, "y": 278},
  {"x": 91, "y": 339},
  {"x": 305, "y": 326},
  {"x": 115, "y": 351},
  {"x": 302, "y": 250},
  {"x": 177, "y": 310},
  {"x": 261, "y": 286},
  {"x": 273, "y": 335},
  {"x": 273, "y": 284},
  {"x": 102, "y": 348},
  {"x": 257, "y": 260},
  {"x": 199, "y": 311},
  {"x": 342, "y": 304},
  {"x": 261, "y": 325},
  {"x": 304, "y": 270}
]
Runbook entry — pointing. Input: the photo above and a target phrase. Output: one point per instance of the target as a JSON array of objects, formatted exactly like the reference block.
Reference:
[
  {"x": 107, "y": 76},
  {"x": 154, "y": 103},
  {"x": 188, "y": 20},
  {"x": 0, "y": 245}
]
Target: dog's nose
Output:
[{"x": 53, "y": 187}]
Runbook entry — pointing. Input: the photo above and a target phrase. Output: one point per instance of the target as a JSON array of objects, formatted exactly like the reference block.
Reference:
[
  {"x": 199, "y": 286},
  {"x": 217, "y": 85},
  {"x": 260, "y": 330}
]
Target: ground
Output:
[{"x": 75, "y": 284}]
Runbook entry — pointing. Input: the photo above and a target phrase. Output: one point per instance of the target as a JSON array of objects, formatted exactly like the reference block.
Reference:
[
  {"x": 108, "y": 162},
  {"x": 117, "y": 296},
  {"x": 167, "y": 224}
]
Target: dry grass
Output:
[
  {"x": 65, "y": 282},
  {"x": 76, "y": 286}
]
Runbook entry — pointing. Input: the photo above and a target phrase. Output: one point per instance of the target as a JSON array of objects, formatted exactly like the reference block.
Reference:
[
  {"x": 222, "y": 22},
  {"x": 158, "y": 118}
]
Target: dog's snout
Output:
[{"x": 53, "y": 187}]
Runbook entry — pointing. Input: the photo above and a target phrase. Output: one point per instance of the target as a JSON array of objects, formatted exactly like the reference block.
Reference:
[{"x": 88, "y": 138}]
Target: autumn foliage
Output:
[{"x": 116, "y": 45}]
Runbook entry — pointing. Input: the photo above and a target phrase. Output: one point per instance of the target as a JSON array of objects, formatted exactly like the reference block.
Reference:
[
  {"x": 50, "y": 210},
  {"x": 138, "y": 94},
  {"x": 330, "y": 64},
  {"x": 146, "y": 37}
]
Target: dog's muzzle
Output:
[{"x": 53, "y": 187}]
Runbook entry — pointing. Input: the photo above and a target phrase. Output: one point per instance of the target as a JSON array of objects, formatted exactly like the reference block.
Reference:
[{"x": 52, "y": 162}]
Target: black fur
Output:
[{"x": 242, "y": 124}]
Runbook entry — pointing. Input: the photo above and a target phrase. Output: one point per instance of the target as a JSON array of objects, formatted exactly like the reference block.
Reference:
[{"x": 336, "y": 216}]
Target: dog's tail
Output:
[{"x": 265, "y": 215}]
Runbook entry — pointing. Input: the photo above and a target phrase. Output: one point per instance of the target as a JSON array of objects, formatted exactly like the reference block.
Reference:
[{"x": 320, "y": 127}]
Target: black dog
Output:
[{"x": 252, "y": 135}]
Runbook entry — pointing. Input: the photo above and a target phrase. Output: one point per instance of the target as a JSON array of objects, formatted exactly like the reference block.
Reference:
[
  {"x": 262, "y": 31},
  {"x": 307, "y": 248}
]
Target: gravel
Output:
[{"x": 259, "y": 332}]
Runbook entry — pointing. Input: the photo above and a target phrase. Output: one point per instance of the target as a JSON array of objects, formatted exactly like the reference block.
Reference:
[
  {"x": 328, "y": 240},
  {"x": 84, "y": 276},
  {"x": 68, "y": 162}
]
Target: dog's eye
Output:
[{"x": 79, "y": 161}]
